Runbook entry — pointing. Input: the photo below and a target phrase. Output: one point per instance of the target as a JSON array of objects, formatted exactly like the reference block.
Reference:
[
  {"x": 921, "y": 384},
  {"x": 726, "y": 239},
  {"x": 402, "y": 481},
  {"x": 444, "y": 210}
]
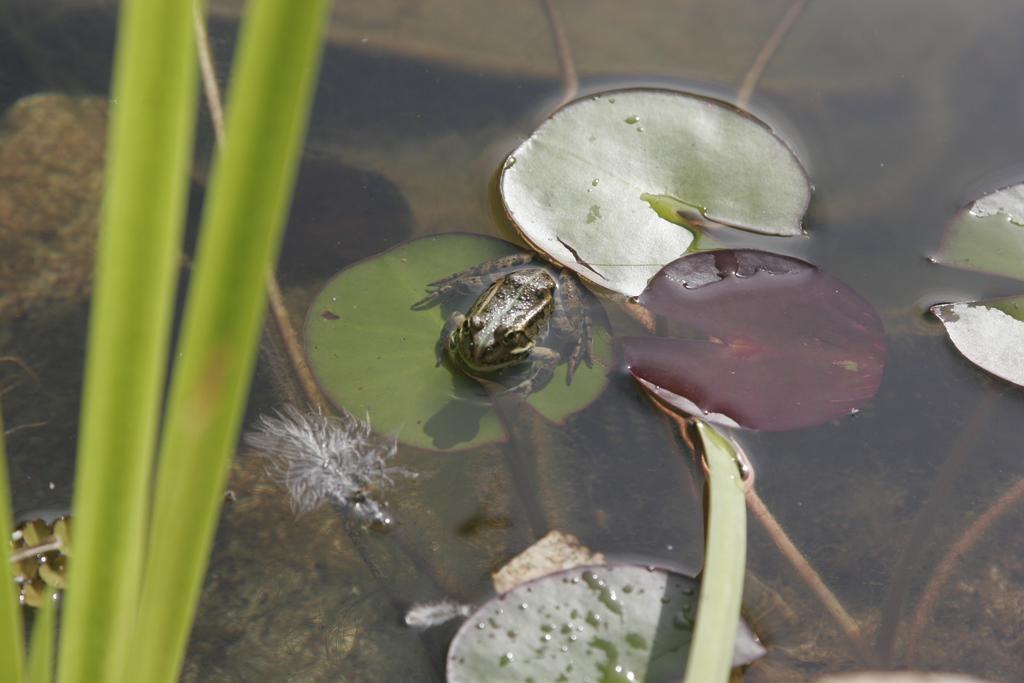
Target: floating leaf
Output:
[
  {"x": 899, "y": 677},
  {"x": 988, "y": 235},
  {"x": 603, "y": 622},
  {"x": 594, "y": 185},
  {"x": 990, "y": 334},
  {"x": 372, "y": 354},
  {"x": 758, "y": 340},
  {"x": 555, "y": 551}
]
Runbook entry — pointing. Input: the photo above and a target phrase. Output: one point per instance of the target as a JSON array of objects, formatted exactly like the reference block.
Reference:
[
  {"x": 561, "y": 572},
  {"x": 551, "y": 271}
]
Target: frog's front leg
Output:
[
  {"x": 543, "y": 362},
  {"x": 441, "y": 348},
  {"x": 572, "y": 321},
  {"x": 471, "y": 280}
]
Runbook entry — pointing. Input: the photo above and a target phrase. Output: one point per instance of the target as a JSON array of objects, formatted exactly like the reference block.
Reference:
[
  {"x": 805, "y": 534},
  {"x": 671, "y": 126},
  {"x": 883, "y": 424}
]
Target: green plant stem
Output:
[
  {"x": 12, "y": 640},
  {"x": 282, "y": 351},
  {"x": 286, "y": 339},
  {"x": 148, "y": 157},
  {"x": 718, "y": 611},
  {"x": 252, "y": 181},
  {"x": 40, "y": 662}
]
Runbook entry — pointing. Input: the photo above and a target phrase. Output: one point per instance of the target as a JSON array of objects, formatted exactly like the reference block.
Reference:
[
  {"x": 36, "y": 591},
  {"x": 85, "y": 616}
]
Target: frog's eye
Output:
[
  {"x": 501, "y": 332},
  {"x": 476, "y": 322}
]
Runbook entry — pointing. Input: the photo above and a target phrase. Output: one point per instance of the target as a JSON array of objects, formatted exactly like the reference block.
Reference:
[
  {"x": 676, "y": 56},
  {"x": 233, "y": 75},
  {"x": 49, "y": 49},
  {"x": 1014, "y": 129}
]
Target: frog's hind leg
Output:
[
  {"x": 438, "y": 294},
  {"x": 488, "y": 267},
  {"x": 470, "y": 280},
  {"x": 572, "y": 320}
]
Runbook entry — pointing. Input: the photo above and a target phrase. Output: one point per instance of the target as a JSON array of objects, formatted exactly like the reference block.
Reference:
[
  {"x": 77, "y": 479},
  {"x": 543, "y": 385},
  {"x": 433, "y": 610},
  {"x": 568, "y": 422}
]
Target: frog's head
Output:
[
  {"x": 504, "y": 323},
  {"x": 486, "y": 348}
]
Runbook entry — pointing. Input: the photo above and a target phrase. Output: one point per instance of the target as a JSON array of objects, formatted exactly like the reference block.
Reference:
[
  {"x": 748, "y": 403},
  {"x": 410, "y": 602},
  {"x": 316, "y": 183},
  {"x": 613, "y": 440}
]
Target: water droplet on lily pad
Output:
[
  {"x": 701, "y": 151},
  {"x": 635, "y": 642}
]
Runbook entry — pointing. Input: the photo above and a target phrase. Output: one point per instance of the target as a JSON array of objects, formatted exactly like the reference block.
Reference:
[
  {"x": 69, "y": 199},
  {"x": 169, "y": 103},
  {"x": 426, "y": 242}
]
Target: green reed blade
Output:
[
  {"x": 268, "y": 104},
  {"x": 12, "y": 645},
  {"x": 149, "y": 151},
  {"x": 40, "y": 658},
  {"x": 718, "y": 612}
]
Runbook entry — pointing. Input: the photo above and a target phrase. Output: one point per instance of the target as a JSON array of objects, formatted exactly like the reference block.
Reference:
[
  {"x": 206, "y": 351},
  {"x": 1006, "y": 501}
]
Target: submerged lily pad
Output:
[
  {"x": 372, "y": 354},
  {"x": 988, "y": 235},
  {"x": 603, "y": 622},
  {"x": 604, "y": 185},
  {"x": 758, "y": 340},
  {"x": 990, "y": 334}
]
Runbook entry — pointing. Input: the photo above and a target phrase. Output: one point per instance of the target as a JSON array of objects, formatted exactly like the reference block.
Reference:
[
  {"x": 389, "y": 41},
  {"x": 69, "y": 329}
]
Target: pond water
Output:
[{"x": 901, "y": 111}]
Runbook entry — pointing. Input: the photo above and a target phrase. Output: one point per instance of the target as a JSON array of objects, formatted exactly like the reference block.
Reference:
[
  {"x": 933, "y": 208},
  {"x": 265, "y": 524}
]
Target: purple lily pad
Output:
[{"x": 758, "y": 340}]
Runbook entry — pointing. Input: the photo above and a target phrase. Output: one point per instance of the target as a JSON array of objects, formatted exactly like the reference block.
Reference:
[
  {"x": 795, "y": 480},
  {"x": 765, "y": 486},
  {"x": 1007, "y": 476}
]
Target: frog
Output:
[{"x": 525, "y": 315}]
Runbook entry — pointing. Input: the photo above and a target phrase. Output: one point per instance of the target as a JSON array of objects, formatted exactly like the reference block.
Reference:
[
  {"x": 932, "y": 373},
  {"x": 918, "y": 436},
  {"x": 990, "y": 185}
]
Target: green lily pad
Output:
[
  {"x": 598, "y": 623},
  {"x": 372, "y": 354},
  {"x": 604, "y": 185},
  {"x": 988, "y": 235},
  {"x": 990, "y": 334}
]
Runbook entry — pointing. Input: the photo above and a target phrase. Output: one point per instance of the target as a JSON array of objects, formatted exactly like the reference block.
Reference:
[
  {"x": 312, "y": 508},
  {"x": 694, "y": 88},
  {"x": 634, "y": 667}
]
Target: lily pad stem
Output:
[
  {"x": 924, "y": 522},
  {"x": 292, "y": 347},
  {"x": 570, "y": 81},
  {"x": 768, "y": 51},
  {"x": 963, "y": 545},
  {"x": 207, "y": 72},
  {"x": 846, "y": 623}
]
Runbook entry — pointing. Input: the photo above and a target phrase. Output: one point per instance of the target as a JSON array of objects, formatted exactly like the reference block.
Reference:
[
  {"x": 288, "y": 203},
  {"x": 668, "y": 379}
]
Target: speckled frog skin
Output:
[{"x": 523, "y": 316}]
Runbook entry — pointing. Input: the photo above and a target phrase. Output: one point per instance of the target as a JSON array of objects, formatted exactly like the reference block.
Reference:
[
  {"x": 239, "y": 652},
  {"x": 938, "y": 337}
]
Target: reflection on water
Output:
[{"x": 901, "y": 113}]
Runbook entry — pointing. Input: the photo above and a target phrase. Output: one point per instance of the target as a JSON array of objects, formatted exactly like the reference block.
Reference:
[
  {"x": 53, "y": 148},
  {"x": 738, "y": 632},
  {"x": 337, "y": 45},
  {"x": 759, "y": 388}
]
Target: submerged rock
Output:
[{"x": 51, "y": 161}]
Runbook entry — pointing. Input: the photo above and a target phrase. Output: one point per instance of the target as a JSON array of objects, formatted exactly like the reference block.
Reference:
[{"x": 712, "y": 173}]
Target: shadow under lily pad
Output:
[{"x": 758, "y": 340}]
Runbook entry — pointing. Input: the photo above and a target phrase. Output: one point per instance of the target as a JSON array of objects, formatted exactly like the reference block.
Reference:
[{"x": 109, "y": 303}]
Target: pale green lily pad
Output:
[
  {"x": 597, "y": 623},
  {"x": 899, "y": 677},
  {"x": 988, "y": 235},
  {"x": 990, "y": 334},
  {"x": 606, "y": 183},
  {"x": 372, "y": 354}
]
